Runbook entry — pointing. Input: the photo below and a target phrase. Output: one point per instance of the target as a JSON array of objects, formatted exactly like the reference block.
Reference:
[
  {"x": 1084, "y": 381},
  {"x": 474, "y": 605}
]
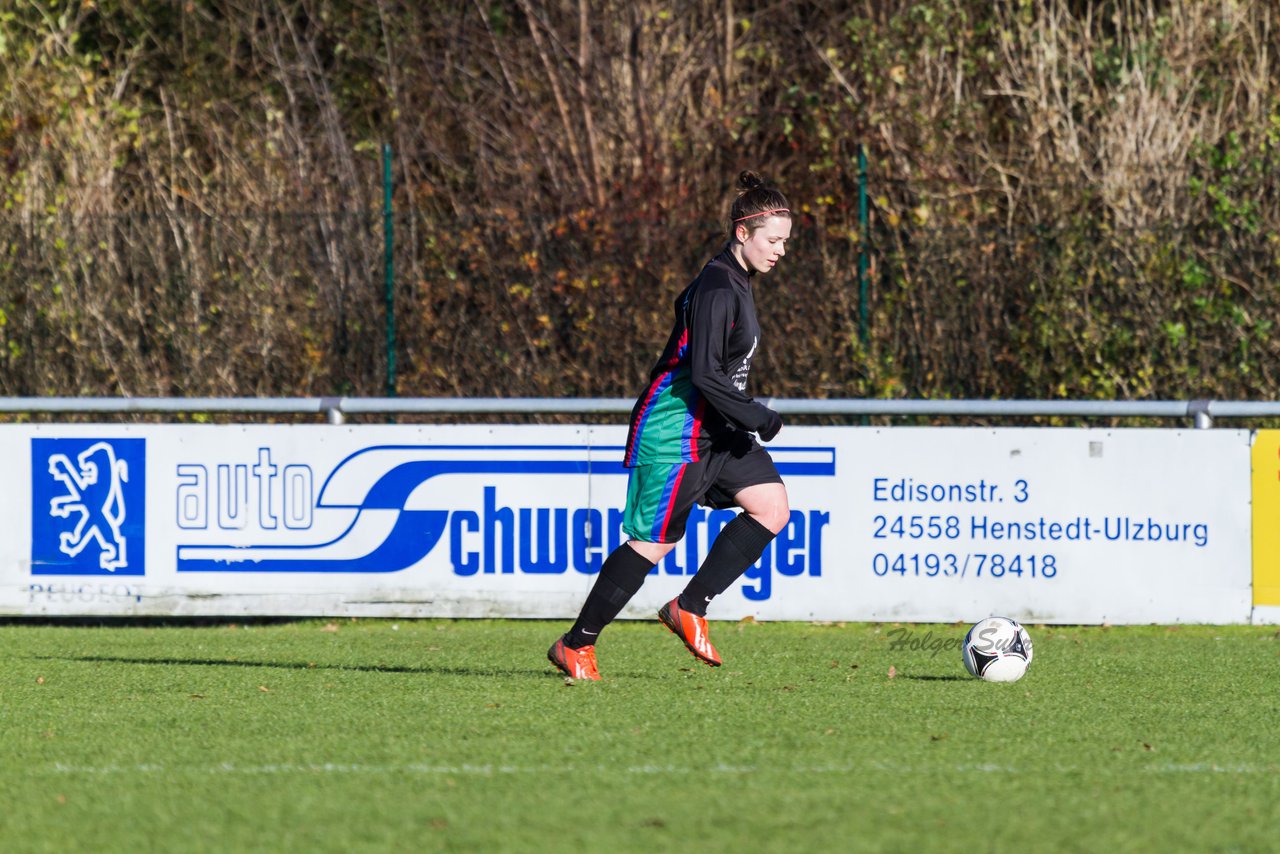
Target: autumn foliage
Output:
[{"x": 1065, "y": 198}]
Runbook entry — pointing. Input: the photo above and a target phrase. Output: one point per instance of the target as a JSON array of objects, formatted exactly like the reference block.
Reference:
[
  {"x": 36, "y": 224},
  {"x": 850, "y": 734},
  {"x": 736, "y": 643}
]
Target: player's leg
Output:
[
  {"x": 621, "y": 577},
  {"x": 767, "y": 504},
  {"x": 659, "y": 498},
  {"x": 748, "y": 479},
  {"x": 751, "y": 481}
]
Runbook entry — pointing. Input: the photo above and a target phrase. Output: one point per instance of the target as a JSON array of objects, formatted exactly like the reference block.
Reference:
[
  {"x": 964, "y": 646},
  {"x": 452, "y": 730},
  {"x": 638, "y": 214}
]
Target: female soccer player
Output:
[{"x": 690, "y": 441}]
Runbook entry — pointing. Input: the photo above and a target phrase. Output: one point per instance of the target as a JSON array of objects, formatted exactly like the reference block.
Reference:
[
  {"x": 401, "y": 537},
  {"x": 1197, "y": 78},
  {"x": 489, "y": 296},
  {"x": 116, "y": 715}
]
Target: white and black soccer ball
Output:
[{"x": 997, "y": 649}]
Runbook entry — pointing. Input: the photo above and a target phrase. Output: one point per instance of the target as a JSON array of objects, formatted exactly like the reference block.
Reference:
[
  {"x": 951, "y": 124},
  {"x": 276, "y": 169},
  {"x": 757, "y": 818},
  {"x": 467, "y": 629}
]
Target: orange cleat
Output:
[
  {"x": 691, "y": 629},
  {"x": 578, "y": 663}
]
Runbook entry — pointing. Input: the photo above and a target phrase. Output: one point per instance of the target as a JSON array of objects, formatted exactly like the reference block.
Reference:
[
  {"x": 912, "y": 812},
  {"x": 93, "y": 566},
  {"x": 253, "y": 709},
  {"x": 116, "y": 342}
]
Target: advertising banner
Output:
[{"x": 894, "y": 524}]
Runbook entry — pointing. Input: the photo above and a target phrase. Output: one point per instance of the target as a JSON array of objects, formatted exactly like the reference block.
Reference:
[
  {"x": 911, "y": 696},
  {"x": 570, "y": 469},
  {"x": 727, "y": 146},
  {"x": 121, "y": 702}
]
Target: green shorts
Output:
[{"x": 660, "y": 495}]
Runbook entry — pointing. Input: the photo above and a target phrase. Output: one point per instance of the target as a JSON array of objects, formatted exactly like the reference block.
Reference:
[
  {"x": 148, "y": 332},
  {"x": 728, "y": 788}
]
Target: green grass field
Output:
[{"x": 457, "y": 736}]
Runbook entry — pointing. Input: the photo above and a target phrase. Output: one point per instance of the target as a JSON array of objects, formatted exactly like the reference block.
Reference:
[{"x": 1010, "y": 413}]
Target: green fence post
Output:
[
  {"x": 864, "y": 242},
  {"x": 388, "y": 258}
]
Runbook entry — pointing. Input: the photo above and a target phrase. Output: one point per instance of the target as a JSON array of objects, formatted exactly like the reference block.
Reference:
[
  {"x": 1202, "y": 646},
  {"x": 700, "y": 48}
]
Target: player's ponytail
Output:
[{"x": 757, "y": 200}]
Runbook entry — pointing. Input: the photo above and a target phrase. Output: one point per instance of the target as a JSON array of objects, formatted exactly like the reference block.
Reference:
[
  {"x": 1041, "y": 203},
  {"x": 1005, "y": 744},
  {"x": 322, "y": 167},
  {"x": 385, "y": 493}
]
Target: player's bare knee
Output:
[
  {"x": 774, "y": 515},
  {"x": 768, "y": 505},
  {"x": 653, "y": 552},
  {"x": 777, "y": 517}
]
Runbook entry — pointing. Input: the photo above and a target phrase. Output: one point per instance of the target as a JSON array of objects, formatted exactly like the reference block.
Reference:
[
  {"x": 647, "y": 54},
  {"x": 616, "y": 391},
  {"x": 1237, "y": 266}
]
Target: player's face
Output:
[{"x": 764, "y": 248}]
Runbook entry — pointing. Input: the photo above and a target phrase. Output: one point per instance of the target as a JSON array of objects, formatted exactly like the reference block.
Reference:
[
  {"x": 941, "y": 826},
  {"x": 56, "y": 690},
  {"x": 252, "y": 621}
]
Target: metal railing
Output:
[{"x": 1201, "y": 412}]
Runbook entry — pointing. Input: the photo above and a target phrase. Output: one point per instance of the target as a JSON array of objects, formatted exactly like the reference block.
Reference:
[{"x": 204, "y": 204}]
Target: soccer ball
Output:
[{"x": 997, "y": 649}]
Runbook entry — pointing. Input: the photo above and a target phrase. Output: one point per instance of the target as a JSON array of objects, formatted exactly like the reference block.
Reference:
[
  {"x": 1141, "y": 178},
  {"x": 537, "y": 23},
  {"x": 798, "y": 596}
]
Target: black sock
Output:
[
  {"x": 622, "y": 575},
  {"x": 739, "y": 545}
]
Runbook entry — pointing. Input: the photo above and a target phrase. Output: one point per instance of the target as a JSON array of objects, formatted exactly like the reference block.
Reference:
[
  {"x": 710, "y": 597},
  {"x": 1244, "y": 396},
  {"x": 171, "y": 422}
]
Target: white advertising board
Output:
[{"x": 895, "y": 524}]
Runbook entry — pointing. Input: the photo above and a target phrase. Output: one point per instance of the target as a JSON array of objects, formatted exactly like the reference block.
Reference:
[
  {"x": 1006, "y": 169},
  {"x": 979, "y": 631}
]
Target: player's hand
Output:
[{"x": 770, "y": 429}]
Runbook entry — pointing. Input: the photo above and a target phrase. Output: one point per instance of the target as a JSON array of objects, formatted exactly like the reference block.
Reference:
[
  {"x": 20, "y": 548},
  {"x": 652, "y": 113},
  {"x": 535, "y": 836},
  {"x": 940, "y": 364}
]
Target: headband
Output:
[{"x": 762, "y": 213}]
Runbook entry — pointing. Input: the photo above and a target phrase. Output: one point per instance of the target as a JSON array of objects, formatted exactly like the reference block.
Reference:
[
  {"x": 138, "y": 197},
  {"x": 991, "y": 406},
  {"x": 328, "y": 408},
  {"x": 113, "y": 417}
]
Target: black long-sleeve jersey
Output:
[{"x": 698, "y": 389}]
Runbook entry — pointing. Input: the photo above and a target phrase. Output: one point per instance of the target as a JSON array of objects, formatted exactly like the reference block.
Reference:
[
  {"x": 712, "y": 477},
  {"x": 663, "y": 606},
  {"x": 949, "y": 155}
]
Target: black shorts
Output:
[{"x": 660, "y": 495}]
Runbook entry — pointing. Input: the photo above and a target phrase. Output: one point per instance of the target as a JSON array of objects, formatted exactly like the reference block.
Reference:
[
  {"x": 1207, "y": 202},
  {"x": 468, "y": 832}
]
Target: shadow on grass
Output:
[
  {"x": 927, "y": 678},
  {"x": 301, "y": 665}
]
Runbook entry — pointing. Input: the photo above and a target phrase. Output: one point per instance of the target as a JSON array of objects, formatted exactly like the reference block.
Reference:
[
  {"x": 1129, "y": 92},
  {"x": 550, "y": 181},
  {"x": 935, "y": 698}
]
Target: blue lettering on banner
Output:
[
  {"x": 280, "y": 497},
  {"x": 497, "y": 537},
  {"x": 88, "y": 506}
]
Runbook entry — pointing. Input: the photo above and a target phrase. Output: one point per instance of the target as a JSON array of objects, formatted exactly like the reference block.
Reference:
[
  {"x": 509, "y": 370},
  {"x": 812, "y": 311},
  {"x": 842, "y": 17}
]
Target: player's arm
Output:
[{"x": 710, "y": 323}]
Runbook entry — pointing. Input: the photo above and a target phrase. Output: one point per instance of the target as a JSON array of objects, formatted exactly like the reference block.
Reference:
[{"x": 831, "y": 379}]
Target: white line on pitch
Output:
[{"x": 482, "y": 770}]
